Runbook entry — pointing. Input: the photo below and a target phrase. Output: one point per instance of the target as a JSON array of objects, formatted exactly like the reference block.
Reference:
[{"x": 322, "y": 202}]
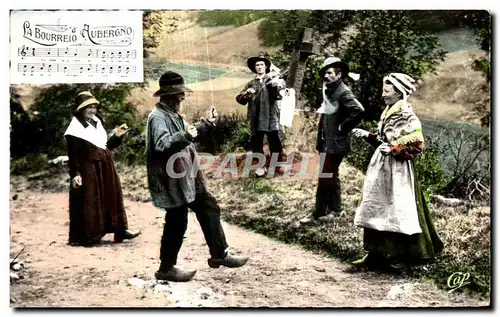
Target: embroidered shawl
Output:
[{"x": 400, "y": 127}]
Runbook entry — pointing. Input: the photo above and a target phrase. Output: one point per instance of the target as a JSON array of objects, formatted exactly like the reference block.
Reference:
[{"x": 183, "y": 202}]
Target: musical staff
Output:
[
  {"x": 75, "y": 69},
  {"x": 53, "y": 47},
  {"x": 25, "y": 51}
]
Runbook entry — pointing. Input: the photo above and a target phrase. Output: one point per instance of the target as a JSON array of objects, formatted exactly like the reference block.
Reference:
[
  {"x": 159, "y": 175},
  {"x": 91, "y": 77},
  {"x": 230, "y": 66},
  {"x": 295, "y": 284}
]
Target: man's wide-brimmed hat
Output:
[
  {"x": 334, "y": 62},
  {"x": 85, "y": 99},
  {"x": 171, "y": 83},
  {"x": 261, "y": 58}
]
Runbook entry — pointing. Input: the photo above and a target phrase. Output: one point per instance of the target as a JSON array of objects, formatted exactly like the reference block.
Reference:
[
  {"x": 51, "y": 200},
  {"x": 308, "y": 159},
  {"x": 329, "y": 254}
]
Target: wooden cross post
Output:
[{"x": 303, "y": 48}]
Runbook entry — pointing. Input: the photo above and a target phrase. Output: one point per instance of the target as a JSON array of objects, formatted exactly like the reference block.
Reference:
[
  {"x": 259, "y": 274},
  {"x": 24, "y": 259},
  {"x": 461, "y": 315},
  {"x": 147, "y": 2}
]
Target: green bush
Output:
[
  {"x": 29, "y": 164},
  {"x": 231, "y": 133},
  {"x": 430, "y": 173},
  {"x": 133, "y": 149},
  {"x": 361, "y": 152},
  {"x": 23, "y": 129},
  {"x": 54, "y": 108},
  {"x": 239, "y": 139}
]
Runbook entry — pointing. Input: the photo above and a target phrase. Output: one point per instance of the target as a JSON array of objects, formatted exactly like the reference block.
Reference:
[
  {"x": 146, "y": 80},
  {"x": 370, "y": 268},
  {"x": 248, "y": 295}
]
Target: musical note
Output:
[
  {"x": 73, "y": 69},
  {"x": 25, "y": 51}
]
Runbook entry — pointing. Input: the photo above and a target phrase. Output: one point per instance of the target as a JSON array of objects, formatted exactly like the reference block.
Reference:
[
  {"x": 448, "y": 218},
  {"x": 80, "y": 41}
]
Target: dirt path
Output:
[{"x": 277, "y": 274}]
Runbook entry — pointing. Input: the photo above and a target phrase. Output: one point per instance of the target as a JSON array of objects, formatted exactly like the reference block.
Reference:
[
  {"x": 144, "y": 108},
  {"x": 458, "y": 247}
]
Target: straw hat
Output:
[{"x": 85, "y": 99}]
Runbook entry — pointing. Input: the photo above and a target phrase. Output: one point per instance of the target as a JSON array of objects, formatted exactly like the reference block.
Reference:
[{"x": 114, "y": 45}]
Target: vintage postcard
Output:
[{"x": 250, "y": 158}]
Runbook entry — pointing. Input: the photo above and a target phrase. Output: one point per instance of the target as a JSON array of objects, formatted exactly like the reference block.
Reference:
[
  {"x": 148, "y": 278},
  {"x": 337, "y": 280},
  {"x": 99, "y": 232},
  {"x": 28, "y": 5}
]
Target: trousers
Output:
[
  {"x": 328, "y": 197},
  {"x": 176, "y": 219}
]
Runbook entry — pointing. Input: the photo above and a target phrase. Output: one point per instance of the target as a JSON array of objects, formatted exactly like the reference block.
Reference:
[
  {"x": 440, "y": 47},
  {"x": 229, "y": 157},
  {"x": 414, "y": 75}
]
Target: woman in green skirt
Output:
[{"x": 398, "y": 228}]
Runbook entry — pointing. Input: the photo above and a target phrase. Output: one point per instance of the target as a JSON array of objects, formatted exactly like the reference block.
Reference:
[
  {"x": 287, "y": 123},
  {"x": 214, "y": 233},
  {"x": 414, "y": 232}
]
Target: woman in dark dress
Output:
[{"x": 95, "y": 197}]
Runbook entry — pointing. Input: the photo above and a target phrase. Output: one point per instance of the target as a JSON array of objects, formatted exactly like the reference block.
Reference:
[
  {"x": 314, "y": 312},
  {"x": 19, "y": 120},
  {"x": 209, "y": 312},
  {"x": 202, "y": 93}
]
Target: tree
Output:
[
  {"x": 480, "y": 22},
  {"x": 481, "y": 26},
  {"x": 154, "y": 27},
  {"x": 329, "y": 26},
  {"x": 380, "y": 42},
  {"x": 384, "y": 42},
  {"x": 280, "y": 27}
]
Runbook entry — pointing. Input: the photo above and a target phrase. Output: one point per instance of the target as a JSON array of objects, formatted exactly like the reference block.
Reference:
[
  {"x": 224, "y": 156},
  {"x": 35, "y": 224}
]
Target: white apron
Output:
[{"x": 388, "y": 202}]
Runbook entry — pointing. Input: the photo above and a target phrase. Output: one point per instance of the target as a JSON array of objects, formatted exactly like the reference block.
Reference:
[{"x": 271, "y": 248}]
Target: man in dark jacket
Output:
[
  {"x": 261, "y": 94},
  {"x": 340, "y": 113},
  {"x": 171, "y": 158}
]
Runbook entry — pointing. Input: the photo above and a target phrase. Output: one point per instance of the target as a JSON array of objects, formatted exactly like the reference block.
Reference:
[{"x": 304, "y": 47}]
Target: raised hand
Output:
[
  {"x": 76, "y": 181},
  {"x": 191, "y": 129},
  {"x": 385, "y": 148},
  {"x": 121, "y": 130},
  {"x": 360, "y": 133}
]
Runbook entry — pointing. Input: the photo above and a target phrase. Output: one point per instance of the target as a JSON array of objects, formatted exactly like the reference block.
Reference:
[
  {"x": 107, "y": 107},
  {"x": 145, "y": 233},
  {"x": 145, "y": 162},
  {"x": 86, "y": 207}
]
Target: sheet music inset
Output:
[{"x": 49, "y": 47}]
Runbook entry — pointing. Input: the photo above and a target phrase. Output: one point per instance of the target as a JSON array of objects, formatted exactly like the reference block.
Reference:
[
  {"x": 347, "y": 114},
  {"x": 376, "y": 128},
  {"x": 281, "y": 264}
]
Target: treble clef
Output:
[{"x": 23, "y": 51}]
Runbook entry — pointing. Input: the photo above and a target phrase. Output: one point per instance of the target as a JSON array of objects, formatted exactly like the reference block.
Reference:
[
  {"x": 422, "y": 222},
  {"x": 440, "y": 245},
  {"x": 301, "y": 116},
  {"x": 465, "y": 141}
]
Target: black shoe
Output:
[
  {"x": 230, "y": 260},
  {"x": 398, "y": 262},
  {"x": 398, "y": 266},
  {"x": 128, "y": 234},
  {"x": 175, "y": 274}
]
